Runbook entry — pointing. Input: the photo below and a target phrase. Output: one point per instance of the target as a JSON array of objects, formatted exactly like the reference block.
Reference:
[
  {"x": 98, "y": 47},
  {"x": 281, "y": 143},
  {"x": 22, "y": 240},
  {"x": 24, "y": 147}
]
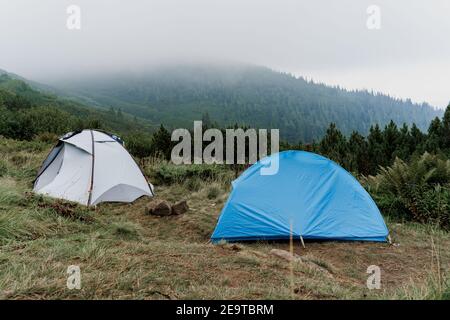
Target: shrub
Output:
[
  {"x": 47, "y": 137},
  {"x": 139, "y": 144},
  {"x": 170, "y": 173},
  {"x": 418, "y": 191}
]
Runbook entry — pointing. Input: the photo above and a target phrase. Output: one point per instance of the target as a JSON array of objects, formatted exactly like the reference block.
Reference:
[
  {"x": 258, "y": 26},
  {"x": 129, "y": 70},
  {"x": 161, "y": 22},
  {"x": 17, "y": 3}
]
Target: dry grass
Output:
[{"x": 124, "y": 254}]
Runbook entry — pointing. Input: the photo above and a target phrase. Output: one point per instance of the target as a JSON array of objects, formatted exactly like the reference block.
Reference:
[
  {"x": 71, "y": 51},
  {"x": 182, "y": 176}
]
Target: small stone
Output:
[
  {"x": 180, "y": 207},
  {"x": 161, "y": 208}
]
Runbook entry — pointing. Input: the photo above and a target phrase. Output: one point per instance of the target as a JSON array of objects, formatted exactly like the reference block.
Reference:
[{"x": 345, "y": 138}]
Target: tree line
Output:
[
  {"x": 249, "y": 95},
  {"x": 364, "y": 155},
  {"x": 357, "y": 153}
]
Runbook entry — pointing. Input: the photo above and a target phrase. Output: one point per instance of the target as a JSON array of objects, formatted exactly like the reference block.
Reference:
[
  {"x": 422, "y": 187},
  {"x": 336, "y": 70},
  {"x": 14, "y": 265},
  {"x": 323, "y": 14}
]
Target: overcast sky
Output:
[{"x": 326, "y": 40}]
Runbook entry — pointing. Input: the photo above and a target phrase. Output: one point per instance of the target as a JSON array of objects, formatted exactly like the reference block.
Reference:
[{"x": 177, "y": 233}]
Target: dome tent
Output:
[
  {"x": 311, "y": 193},
  {"x": 90, "y": 167}
]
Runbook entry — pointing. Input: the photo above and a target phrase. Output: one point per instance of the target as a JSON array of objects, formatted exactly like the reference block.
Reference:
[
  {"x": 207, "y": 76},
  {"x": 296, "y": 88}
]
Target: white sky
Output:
[{"x": 326, "y": 40}]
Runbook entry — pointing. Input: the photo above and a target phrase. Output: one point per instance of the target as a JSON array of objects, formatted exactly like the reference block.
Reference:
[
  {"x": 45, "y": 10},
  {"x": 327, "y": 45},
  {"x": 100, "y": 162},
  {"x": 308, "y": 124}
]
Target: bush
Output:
[
  {"x": 139, "y": 144},
  {"x": 47, "y": 137},
  {"x": 418, "y": 191},
  {"x": 170, "y": 173},
  {"x": 49, "y": 120}
]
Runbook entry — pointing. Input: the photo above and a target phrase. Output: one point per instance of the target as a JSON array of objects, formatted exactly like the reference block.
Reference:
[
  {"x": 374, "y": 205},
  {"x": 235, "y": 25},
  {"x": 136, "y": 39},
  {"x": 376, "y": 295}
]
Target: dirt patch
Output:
[{"x": 398, "y": 264}]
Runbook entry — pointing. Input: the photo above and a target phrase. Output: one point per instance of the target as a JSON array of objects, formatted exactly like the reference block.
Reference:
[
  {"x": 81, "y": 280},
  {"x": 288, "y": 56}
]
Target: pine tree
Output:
[
  {"x": 161, "y": 142},
  {"x": 376, "y": 154},
  {"x": 334, "y": 145},
  {"x": 405, "y": 146},
  {"x": 445, "y": 130},
  {"x": 390, "y": 141},
  {"x": 432, "y": 144},
  {"x": 417, "y": 139},
  {"x": 358, "y": 154}
]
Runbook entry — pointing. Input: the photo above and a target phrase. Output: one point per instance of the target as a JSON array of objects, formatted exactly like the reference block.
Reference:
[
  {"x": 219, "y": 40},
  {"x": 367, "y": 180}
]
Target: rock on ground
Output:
[
  {"x": 161, "y": 208},
  {"x": 180, "y": 207}
]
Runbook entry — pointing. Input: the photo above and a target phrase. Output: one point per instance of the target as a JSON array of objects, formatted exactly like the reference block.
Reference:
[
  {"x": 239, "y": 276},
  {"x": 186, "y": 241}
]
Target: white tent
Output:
[{"x": 90, "y": 167}]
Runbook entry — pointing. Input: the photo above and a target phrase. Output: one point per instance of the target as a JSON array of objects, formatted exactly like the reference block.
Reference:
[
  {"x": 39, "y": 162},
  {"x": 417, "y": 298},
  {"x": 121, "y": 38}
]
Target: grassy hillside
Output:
[
  {"x": 26, "y": 112},
  {"x": 123, "y": 253},
  {"x": 247, "y": 95}
]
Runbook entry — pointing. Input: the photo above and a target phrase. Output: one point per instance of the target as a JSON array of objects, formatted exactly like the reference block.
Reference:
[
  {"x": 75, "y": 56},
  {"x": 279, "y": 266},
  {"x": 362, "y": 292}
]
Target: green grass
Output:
[{"x": 125, "y": 254}]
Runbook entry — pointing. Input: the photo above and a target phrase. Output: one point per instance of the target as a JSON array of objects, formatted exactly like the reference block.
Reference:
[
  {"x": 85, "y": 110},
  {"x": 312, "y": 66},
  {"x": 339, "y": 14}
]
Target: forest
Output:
[{"x": 247, "y": 95}]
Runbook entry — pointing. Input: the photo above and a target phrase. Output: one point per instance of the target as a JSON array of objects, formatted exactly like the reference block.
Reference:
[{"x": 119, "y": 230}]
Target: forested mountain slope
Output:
[
  {"x": 250, "y": 95},
  {"x": 26, "y": 112}
]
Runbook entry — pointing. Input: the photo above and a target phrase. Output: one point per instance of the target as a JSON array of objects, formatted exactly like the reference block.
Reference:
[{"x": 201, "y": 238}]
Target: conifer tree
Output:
[
  {"x": 358, "y": 154},
  {"x": 161, "y": 142},
  {"x": 334, "y": 145}
]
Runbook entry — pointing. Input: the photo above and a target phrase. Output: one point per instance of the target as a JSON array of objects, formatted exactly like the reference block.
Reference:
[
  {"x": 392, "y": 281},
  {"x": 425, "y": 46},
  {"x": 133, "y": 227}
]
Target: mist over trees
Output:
[{"x": 246, "y": 95}]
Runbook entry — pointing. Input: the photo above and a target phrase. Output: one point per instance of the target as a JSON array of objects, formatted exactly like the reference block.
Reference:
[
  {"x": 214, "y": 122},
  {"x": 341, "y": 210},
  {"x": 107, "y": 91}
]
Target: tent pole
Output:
[
  {"x": 303, "y": 243},
  {"x": 92, "y": 170}
]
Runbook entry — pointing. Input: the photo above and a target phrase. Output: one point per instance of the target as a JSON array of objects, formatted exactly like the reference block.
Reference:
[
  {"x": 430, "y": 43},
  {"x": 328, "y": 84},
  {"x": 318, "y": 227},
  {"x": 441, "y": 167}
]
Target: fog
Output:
[{"x": 326, "y": 40}]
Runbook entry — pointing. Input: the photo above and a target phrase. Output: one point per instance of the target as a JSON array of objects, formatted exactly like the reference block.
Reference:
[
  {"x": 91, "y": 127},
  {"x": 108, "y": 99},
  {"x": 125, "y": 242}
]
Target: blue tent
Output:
[{"x": 311, "y": 193}]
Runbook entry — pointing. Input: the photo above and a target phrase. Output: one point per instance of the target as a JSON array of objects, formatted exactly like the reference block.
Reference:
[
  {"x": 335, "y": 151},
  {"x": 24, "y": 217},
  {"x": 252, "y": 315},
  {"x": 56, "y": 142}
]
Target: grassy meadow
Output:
[{"x": 125, "y": 254}]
